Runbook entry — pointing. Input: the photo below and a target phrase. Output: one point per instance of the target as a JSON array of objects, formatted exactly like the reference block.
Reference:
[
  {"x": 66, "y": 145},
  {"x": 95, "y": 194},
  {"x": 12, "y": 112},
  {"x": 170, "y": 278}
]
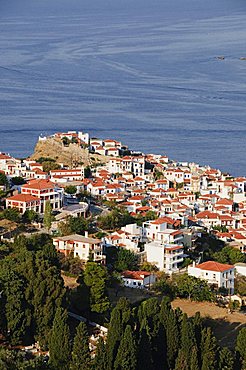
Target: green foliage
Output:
[
  {"x": 240, "y": 346},
  {"x": 18, "y": 180},
  {"x": 71, "y": 189},
  {"x": 32, "y": 289},
  {"x": 73, "y": 225},
  {"x": 87, "y": 172},
  {"x": 16, "y": 360},
  {"x": 99, "y": 362},
  {"x": 11, "y": 214},
  {"x": 3, "y": 179},
  {"x": 30, "y": 216},
  {"x": 115, "y": 219},
  {"x": 50, "y": 165},
  {"x": 70, "y": 264},
  {"x": 240, "y": 285},
  {"x": 81, "y": 359},
  {"x": 48, "y": 217},
  {"x": 192, "y": 288},
  {"x": 209, "y": 349},
  {"x": 126, "y": 260},
  {"x": 126, "y": 358},
  {"x": 226, "y": 359},
  {"x": 95, "y": 278},
  {"x": 59, "y": 345},
  {"x": 229, "y": 255}
]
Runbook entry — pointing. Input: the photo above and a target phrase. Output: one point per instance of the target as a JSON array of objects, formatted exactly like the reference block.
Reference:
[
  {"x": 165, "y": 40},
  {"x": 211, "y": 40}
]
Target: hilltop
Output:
[{"x": 71, "y": 155}]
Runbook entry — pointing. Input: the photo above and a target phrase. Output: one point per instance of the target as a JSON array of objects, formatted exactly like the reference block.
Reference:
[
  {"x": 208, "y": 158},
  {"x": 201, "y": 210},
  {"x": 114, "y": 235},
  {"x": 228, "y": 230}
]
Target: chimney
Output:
[{"x": 86, "y": 234}]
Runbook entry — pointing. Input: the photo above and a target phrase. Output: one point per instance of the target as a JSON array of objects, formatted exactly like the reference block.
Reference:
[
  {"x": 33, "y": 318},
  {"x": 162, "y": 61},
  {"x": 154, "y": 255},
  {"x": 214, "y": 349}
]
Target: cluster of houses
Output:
[{"x": 185, "y": 199}]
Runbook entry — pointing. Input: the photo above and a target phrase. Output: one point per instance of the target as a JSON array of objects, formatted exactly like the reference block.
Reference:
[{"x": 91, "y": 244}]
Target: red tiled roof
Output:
[
  {"x": 214, "y": 266},
  {"x": 23, "y": 198}
]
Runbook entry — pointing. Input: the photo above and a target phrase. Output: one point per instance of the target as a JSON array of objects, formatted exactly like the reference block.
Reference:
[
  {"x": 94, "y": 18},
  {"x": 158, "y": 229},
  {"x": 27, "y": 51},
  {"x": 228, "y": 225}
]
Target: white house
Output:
[
  {"x": 138, "y": 279},
  {"x": 215, "y": 273},
  {"x": 167, "y": 257},
  {"x": 80, "y": 246}
]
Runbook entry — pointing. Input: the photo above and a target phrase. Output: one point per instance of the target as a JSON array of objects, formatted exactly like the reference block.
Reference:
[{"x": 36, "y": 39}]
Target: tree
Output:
[
  {"x": 181, "y": 362},
  {"x": 114, "y": 336},
  {"x": 144, "y": 353},
  {"x": 99, "y": 362},
  {"x": 209, "y": 349},
  {"x": 229, "y": 255},
  {"x": 240, "y": 346},
  {"x": 30, "y": 216},
  {"x": 18, "y": 180},
  {"x": 240, "y": 285},
  {"x": 172, "y": 334},
  {"x": 81, "y": 358},
  {"x": 194, "y": 364},
  {"x": 48, "y": 218},
  {"x": 87, "y": 172},
  {"x": 50, "y": 166},
  {"x": 95, "y": 278},
  {"x": 70, "y": 189},
  {"x": 126, "y": 260},
  {"x": 226, "y": 360},
  {"x": 59, "y": 346},
  {"x": 126, "y": 358},
  {"x": 187, "y": 338},
  {"x": 11, "y": 214},
  {"x": 3, "y": 179}
]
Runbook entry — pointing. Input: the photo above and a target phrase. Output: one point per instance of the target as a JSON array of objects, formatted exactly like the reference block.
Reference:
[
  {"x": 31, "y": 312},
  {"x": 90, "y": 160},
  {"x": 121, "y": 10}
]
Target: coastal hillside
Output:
[{"x": 71, "y": 155}]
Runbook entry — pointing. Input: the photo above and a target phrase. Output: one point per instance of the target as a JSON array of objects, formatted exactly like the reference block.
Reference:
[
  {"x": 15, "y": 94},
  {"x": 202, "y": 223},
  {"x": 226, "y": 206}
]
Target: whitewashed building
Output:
[{"x": 215, "y": 273}]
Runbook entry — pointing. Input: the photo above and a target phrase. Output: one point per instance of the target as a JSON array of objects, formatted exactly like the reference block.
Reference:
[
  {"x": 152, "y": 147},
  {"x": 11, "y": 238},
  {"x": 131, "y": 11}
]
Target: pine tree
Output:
[
  {"x": 114, "y": 337},
  {"x": 81, "y": 358},
  {"x": 59, "y": 346},
  {"x": 226, "y": 360},
  {"x": 126, "y": 358},
  {"x": 99, "y": 362}
]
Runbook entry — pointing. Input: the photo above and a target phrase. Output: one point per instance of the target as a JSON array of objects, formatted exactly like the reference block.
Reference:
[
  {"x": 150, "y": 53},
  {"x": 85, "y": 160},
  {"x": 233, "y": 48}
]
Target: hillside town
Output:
[
  {"x": 145, "y": 225},
  {"x": 177, "y": 201}
]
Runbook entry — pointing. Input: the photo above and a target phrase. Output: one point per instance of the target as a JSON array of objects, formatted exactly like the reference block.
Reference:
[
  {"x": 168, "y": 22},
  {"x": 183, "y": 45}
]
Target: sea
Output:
[{"x": 162, "y": 76}]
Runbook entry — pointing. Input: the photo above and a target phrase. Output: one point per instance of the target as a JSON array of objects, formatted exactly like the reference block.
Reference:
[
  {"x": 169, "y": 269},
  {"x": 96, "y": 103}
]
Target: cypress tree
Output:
[
  {"x": 226, "y": 359},
  {"x": 126, "y": 358},
  {"x": 59, "y": 346},
  {"x": 114, "y": 337},
  {"x": 241, "y": 347},
  {"x": 181, "y": 362},
  {"x": 144, "y": 353},
  {"x": 81, "y": 358},
  {"x": 209, "y": 348},
  {"x": 172, "y": 334},
  {"x": 194, "y": 364},
  {"x": 187, "y": 338},
  {"x": 164, "y": 312},
  {"x": 99, "y": 362},
  {"x": 48, "y": 218}
]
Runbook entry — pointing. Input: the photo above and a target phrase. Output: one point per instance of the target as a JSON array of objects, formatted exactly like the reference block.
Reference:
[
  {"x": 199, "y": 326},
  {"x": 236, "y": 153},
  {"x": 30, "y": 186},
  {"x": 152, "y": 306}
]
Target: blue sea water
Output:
[{"x": 144, "y": 72}]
